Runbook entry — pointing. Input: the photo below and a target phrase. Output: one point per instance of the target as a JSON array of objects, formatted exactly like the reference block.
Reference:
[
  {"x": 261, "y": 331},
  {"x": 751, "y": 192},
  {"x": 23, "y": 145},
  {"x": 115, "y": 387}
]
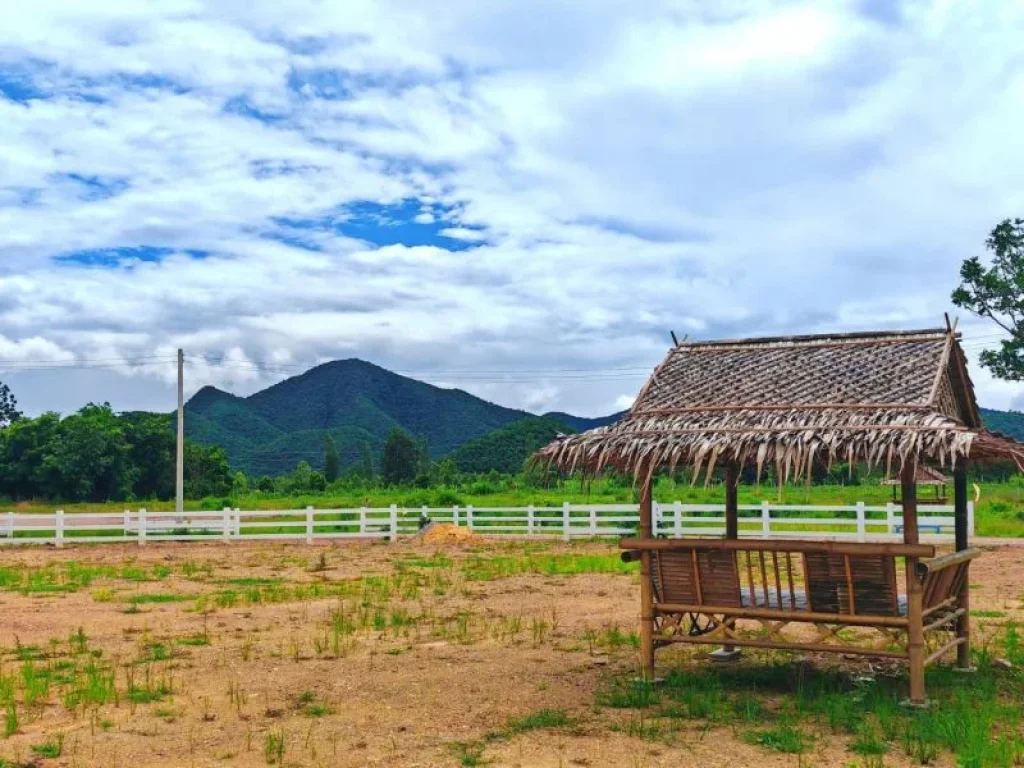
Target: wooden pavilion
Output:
[
  {"x": 923, "y": 476},
  {"x": 890, "y": 399}
]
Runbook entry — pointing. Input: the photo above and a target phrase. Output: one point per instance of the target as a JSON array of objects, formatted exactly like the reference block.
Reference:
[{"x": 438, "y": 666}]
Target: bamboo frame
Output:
[{"x": 785, "y": 545}]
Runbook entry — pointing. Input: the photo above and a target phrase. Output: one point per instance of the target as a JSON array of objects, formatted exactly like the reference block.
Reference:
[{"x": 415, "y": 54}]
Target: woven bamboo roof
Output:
[{"x": 880, "y": 397}]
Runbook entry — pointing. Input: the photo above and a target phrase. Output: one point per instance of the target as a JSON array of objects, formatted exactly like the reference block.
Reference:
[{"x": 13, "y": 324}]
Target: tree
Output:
[
  {"x": 9, "y": 412},
  {"x": 332, "y": 463},
  {"x": 24, "y": 446},
  {"x": 91, "y": 458},
  {"x": 997, "y": 293},
  {"x": 265, "y": 484},
  {"x": 239, "y": 484},
  {"x": 151, "y": 440},
  {"x": 364, "y": 467},
  {"x": 207, "y": 472},
  {"x": 301, "y": 477},
  {"x": 400, "y": 458}
]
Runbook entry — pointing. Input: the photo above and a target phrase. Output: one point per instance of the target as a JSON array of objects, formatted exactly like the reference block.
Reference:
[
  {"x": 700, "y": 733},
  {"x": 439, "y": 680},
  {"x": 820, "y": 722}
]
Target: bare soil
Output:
[{"x": 481, "y": 654}]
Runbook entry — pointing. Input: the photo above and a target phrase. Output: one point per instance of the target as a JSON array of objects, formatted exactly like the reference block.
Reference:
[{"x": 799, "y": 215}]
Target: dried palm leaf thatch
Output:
[{"x": 882, "y": 398}]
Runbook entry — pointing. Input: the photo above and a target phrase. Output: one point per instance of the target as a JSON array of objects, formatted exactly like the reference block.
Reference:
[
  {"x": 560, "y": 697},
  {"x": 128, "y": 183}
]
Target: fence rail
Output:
[{"x": 857, "y": 522}]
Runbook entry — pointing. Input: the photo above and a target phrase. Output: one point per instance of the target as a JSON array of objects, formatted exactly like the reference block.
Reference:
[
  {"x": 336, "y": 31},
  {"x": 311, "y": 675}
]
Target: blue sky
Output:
[{"x": 491, "y": 195}]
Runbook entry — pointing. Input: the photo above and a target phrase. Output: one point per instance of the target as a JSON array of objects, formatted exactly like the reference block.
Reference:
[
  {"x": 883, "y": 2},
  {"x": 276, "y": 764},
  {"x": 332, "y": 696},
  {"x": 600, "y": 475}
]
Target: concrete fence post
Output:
[
  {"x": 593, "y": 522},
  {"x": 970, "y": 519},
  {"x": 362, "y": 521},
  {"x": 59, "y": 524},
  {"x": 890, "y": 518},
  {"x": 862, "y": 523},
  {"x": 566, "y": 520},
  {"x": 655, "y": 518},
  {"x": 394, "y": 523},
  {"x": 225, "y": 524},
  {"x": 469, "y": 516},
  {"x": 10, "y": 524},
  {"x": 677, "y": 522},
  {"x": 142, "y": 527},
  {"x": 766, "y": 519},
  {"x": 309, "y": 525},
  {"x": 455, "y": 515},
  {"x": 238, "y": 523},
  {"x": 529, "y": 520}
]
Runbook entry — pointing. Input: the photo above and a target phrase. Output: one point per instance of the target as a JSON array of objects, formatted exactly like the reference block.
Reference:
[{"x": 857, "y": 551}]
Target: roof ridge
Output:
[{"x": 858, "y": 336}]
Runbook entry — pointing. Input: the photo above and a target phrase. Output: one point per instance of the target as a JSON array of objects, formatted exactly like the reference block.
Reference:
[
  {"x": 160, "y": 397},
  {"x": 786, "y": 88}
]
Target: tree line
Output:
[{"x": 98, "y": 455}]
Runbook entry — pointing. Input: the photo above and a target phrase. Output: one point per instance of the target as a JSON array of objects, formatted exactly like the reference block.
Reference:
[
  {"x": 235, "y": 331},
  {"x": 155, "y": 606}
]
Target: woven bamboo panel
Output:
[
  {"x": 873, "y": 580},
  {"x": 720, "y": 584},
  {"x": 674, "y": 578}
]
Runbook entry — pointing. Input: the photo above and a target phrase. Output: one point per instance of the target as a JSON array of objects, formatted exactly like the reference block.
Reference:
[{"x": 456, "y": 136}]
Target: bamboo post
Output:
[
  {"x": 732, "y": 531},
  {"x": 961, "y": 516},
  {"x": 915, "y": 619},
  {"x": 646, "y": 587}
]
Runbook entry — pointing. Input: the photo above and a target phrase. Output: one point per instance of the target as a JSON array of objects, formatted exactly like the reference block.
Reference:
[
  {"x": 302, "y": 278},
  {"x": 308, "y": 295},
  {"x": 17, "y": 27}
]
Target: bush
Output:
[{"x": 447, "y": 498}]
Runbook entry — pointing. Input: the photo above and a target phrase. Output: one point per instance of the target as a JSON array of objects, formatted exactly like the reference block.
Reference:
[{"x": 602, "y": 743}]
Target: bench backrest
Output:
[{"x": 851, "y": 584}]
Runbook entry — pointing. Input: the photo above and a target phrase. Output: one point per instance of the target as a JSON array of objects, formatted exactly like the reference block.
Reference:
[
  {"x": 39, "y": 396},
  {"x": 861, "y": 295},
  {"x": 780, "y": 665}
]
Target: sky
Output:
[{"x": 520, "y": 199}]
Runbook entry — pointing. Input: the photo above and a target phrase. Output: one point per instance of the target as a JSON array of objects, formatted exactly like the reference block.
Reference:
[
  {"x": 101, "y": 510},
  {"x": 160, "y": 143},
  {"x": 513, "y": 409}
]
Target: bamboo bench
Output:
[{"x": 702, "y": 588}]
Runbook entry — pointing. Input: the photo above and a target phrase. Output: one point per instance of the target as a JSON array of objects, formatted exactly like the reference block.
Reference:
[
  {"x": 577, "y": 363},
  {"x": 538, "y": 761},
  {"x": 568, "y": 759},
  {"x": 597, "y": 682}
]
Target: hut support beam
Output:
[
  {"x": 646, "y": 586},
  {"x": 915, "y": 610},
  {"x": 963, "y": 627},
  {"x": 732, "y": 531}
]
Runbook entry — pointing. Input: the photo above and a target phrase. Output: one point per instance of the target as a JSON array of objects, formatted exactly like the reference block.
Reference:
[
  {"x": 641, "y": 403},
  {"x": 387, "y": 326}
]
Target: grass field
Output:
[
  {"x": 415, "y": 655},
  {"x": 999, "y": 511}
]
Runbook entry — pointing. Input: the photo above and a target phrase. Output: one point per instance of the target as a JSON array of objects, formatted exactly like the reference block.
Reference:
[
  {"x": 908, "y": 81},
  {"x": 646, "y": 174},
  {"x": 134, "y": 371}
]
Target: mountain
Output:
[
  {"x": 1010, "y": 423},
  {"x": 582, "y": 423},
  {"x": 356, "y": 403},
  {"x": 507, "y": 448}
]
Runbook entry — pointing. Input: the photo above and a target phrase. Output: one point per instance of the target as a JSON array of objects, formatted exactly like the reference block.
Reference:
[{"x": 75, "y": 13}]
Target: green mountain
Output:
[
  {"x": 507, "y": 448},
  {"x": 355, "y": 402},
  {"x": 1010, "y": 423}
]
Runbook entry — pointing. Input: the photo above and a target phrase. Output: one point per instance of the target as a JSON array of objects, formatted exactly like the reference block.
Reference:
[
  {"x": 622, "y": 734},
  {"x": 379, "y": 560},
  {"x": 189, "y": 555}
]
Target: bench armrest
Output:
[{"x": 936, "y": 564}]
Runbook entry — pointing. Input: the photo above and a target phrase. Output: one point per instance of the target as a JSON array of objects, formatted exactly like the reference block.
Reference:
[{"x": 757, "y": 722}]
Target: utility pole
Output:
[{"x": 179, "y": 505}]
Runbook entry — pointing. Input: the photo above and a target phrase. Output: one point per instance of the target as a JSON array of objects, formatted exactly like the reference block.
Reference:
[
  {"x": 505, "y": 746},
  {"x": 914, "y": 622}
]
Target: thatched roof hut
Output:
[
  {"x": 923, "y": 475},
  {"x": 879, "y": 397}
]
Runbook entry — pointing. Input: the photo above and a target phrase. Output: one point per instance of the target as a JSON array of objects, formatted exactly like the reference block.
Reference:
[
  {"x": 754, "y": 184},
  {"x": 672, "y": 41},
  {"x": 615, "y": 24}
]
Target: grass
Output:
[
  {"x": 52, "y": 748},
  {"x": 784, "y": 707}
]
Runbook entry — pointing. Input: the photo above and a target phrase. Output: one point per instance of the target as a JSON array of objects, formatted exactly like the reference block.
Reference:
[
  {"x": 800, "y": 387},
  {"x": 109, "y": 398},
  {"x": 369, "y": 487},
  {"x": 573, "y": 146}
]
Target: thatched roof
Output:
[
  {"x": 876, "y": 397},
  {"x": 923, "y": 475}
]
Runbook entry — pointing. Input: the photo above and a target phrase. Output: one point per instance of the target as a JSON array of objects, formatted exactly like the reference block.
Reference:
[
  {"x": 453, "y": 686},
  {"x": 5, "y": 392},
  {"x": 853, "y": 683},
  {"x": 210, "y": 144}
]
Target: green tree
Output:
[
  {"x": 9, "y": 412},
  {"x": 153, "y": 454},
  {"x": 400, "y": 458},
  {"x": 239, "y": 484},
  {"x": 317, "y": 482},
  {"x": 23, "y": 449},
  {"x": 91, "y": 458},
  {"x": 332, "y": 462},
  {"x": 207, "y": 472},
  {"x": 364, "y": 467},
  {"x": 265, "y": 484},
  {"x": 997, "y": 293},
  {"x": 302, "y": 476}
]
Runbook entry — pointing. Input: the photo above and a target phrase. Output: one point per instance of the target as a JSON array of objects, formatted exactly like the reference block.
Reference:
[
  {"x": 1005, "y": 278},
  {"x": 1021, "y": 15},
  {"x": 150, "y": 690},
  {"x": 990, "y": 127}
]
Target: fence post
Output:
[
  {"x": 10, "y": 524},
  {"x": 394, "y": 522},
  {"x": 655, "y": 515},
  {"x": 529, "y": 520},
  {"x": 677, "y": 522},
  {"x": 766, "y": 519},
  {"x": 566, "y": 522},
  {"x": 309, "y": 525},
  {"x": 142, "y": 527},
  {"x": 362, "y": 521},
  {"x": 469, "y": 517},
  {"x": 238, "y": 523},
  {"x": 970, "y": 519},
  {"x": 59, "y": 524},
  {"x": 455, "y": 515},
  {"x": 890, "y": 517},
  {"x": 862, "y": 523},
  {"x": 593, "y": 522}
]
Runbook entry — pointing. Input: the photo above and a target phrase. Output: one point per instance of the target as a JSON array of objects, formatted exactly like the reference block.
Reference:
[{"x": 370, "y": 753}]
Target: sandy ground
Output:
[{"x": 398, "y": 696}]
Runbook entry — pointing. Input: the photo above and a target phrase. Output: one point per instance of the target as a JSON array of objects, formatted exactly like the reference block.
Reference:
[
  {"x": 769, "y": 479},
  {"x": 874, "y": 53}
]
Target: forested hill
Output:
[
  {"x": 1010, "y": 423},
  {"x": 357, "y": 403}
]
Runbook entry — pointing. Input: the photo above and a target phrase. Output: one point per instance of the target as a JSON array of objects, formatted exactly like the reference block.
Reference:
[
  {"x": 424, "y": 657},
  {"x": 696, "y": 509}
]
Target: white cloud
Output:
[{"x": 620, "y": 171}]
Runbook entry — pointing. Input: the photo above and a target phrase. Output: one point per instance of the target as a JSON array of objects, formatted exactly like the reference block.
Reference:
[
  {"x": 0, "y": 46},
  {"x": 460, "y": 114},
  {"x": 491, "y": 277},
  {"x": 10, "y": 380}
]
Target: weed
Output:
[
  {"x": 53, "y": 747},
  {"x": 273, "y": 747},
  {"x": 782, "y": 738}
]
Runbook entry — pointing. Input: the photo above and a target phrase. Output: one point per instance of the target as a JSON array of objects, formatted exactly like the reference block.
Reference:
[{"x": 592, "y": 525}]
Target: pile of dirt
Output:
[{"x": 446, "y": 533}]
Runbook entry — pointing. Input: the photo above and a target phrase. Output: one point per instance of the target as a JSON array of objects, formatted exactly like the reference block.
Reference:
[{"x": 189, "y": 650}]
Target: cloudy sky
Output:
[{"x": 517, "y": 198}]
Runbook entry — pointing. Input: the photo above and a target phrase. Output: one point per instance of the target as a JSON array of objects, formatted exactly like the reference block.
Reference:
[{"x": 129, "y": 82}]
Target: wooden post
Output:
[
  {"x": 646, "y": 587},
  {"x": 732, "y": 522},
  {"x": 732, "y": 531},
  {"x": 962, "y": 527},
  {"x": 915, "y": 647}
]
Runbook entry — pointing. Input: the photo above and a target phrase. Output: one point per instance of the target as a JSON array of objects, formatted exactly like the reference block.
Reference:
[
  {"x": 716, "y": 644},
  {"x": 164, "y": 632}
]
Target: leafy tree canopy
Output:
[
  {"x": 997, "y": 293},
  {"x": 400, "y": 459},
  {"x": 9, "y": 412}
]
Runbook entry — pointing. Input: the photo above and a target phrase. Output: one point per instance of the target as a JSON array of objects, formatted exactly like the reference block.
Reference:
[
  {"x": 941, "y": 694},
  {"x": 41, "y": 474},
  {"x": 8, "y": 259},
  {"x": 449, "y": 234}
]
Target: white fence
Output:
[{"x": 857, "y": 522}]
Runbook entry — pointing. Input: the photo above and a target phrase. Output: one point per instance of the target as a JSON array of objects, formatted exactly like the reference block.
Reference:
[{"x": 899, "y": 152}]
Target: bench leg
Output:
[
  {"x": 963, "y": 624},
  {"x": 915, "y": 646},
  {"x": 646, "y": 618}
]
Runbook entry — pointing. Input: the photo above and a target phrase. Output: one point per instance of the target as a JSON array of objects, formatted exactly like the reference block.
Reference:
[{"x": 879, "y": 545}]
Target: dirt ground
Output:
[{"x": 285, "y": 653}]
